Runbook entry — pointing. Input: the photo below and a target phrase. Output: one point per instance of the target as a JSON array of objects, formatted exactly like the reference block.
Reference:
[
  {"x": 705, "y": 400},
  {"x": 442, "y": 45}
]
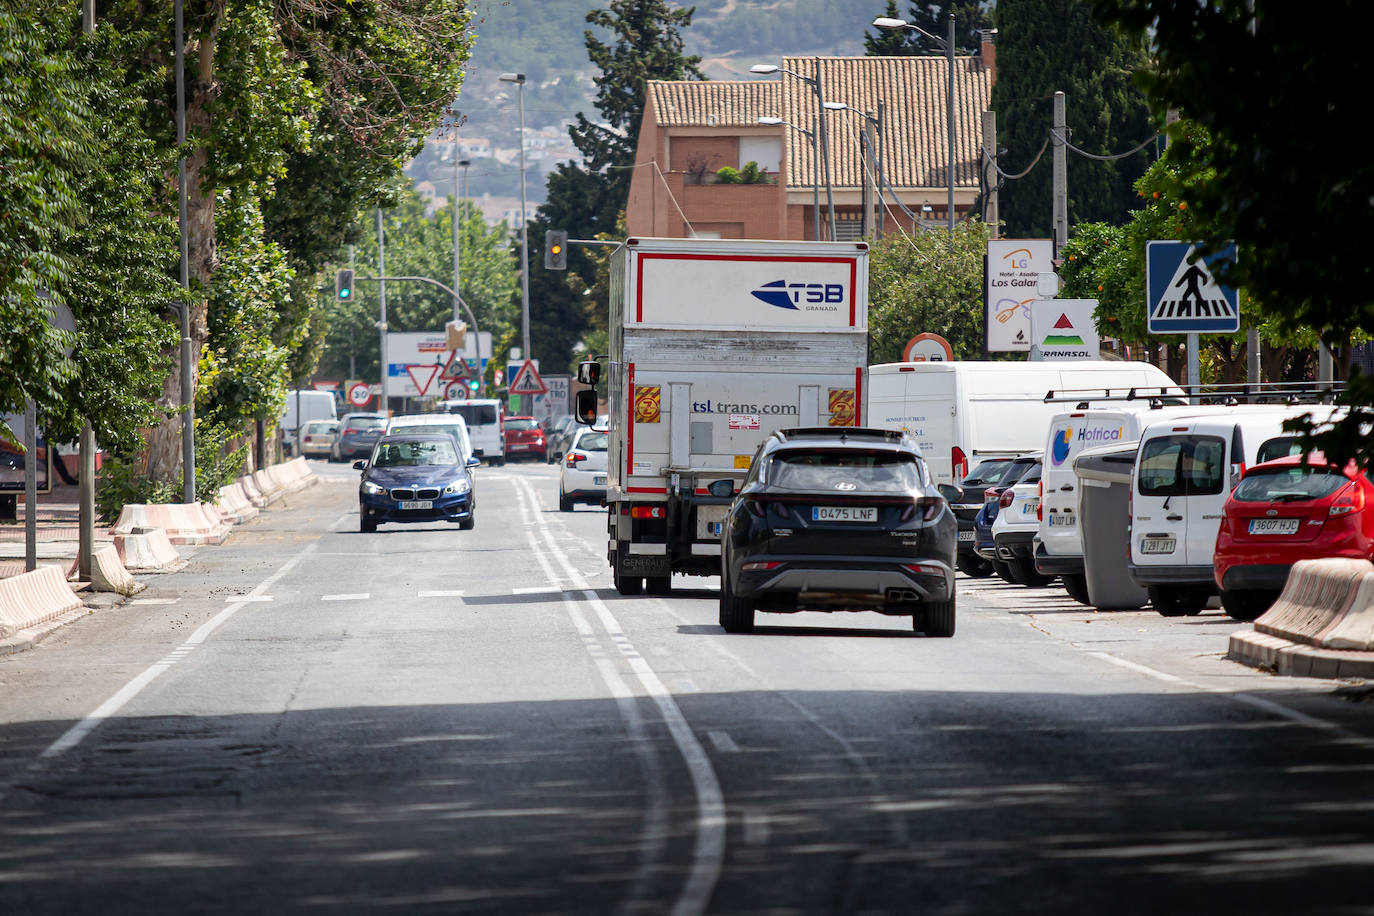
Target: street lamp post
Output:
[
  {"x": 815, "y": 176},
  {"x": 457, "y": 238},
  {"x": 822, "y": 136},
  {"x": 947, "y": 45},
  {"x": 519, "y": 80},
  {"x": 875, "y": 125}
]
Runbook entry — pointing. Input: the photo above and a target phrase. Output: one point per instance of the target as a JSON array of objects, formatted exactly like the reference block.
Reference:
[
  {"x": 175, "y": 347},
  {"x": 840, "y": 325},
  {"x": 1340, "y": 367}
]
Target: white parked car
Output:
[
  {"x": 582, "y": 472},
  {"x": 1014, "y": 531}
]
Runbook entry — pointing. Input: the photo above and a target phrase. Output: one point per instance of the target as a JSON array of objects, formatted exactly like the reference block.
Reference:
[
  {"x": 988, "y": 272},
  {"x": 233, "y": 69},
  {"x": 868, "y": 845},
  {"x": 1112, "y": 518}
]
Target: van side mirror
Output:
[
  {"x": 589, "y": 373},
  {"x": 586, "y": 405}
]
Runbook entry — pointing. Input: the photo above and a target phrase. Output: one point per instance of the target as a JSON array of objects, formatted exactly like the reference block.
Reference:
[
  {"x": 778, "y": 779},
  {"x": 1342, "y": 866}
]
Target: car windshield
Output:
[
  {"x": 366, "y": 423},
  {"x": 592, "y": 442},
  {"x": 414, "y": 453},
  {"x": 522, "y": 423},
  {"x": 1289, "y": 484},
  {"x": 475, "y": 414},
  {"x": 422, "y": 429},
  {"x": 1181, "y": 465},
  {"x": 850, "y": 469},
  {"x": 988, "y": 471}
]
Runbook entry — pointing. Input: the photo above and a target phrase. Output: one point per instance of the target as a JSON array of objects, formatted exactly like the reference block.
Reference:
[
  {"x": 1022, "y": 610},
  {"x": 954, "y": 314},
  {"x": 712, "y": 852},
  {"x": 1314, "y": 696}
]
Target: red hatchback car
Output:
[
  {"x": 1283, "y": 512},
  {"x": 525, "y": 439}
]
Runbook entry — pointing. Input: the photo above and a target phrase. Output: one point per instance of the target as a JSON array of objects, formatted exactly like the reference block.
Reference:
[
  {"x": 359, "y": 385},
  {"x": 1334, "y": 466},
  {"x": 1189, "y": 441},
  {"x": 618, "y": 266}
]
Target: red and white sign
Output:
[
  {"x": 456, "y": 389},
  {"x": 359, "y": 394},
  {"x": 423, "y": 376},
  {"x": 928, "y": 348},
  {"x": 744, "y": 421},
  {"x": 527, "y": 380}
]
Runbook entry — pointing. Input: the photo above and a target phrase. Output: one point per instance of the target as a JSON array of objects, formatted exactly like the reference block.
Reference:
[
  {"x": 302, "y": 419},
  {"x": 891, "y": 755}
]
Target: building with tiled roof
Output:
[{"x": 691, "y": 129}]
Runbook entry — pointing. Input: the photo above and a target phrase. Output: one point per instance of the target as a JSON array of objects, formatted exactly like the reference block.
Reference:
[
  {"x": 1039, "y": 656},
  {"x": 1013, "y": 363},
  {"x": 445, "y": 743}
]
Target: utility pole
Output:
[
  {"x": 381, "y": 321},
  {"x": 825, "y": 141},
  {"x": 991, "y": 209},
  {"x": 1061, "y": 175},
  {"x": 85, "y": 461}
]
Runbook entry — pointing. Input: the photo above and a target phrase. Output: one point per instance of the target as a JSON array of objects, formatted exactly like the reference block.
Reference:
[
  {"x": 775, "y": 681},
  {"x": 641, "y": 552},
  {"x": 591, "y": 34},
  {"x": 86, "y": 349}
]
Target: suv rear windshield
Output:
[
  {"x": 475, "y": 414},
  {"x": 1285, "y": 485},
  {"x": 1182, "y": 466},
  {"x": 987, "y": 471},
  {"x": 826, "y": 470}
]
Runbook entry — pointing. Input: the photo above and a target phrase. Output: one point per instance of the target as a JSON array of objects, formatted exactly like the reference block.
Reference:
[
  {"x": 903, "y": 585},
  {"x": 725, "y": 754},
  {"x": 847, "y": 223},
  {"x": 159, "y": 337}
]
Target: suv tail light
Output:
[
  {"x": 928, "y": 506},
  {"x": 959, "y": 462},
  {"x": 1007, "y": 498},
  {"x": 1040, "y": 506}
]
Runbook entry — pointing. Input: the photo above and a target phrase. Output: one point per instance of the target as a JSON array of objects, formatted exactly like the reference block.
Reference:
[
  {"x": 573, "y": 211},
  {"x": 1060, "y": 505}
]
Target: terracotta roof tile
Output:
[{"x": 713, "y": 103}]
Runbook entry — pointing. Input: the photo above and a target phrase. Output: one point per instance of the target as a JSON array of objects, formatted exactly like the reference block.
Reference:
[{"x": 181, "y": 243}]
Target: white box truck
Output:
[{"x": 714, "y": 344}]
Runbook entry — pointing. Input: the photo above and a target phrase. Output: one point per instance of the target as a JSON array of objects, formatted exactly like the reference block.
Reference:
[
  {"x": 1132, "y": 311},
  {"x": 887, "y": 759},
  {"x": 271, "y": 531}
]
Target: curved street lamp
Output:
[
  {"x": 519, "y": 80},
  {"x": 824, "y": 137},
  {"x": 815, "y": 176}
]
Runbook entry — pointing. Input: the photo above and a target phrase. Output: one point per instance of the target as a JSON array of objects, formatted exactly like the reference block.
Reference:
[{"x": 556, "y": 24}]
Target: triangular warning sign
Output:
[
  {"x": 1063, "y": 321},
  {"x": 455, "y": 368},
  {"x": 423, "y": 376},
  {"x": 527, "y": 381}
]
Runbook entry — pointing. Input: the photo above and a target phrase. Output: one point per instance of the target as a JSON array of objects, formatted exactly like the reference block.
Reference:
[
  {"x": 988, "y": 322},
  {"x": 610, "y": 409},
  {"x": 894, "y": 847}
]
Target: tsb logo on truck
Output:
[{"x": 810, "y": 297}]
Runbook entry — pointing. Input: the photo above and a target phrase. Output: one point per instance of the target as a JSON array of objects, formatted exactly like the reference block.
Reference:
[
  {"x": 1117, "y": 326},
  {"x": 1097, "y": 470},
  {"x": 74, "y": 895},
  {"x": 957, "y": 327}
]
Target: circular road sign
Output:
[
  {"x": 359, "y": 394},
  {"x": 928, "y": 348}
]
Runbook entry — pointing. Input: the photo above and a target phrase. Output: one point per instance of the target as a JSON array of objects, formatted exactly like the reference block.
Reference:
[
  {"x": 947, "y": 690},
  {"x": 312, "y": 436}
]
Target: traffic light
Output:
[
  {"x": 343, "y": 284},
  {"x": 474, "y": 385},
  {"x": 556, "y": 250}
]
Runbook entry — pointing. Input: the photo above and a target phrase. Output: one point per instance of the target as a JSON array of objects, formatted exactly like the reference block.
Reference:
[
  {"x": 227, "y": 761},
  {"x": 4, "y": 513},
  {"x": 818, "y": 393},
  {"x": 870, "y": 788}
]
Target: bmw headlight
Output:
[
  {"x": 460, "y": 485},
  {"x": 373, "y": 489}
]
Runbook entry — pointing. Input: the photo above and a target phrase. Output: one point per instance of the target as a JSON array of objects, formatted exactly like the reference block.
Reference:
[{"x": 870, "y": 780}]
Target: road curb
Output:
[{"x": 1294, "y": 659}]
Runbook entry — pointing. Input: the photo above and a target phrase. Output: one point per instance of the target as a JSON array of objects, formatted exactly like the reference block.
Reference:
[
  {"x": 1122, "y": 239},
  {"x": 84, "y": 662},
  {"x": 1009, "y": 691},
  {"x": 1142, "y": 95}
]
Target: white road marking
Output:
[
  {"x": 152, "y": 601},
  {"x": 723, "y": 742},
  {"x": 356, "y": 596},
  {"x": 709, "y": 850},
  {"x": 247, "y": 598},
  {"x": 535, "y": 590},
  {"x": 451, "y": 593},
  {"x": 756, "y": 829}
]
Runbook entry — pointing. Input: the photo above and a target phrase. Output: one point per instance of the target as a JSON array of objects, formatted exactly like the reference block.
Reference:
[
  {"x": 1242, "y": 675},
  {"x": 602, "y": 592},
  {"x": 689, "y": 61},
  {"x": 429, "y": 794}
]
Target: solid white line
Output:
[
  {"x": 356, "y": 596},
  {"x": 451, "y": 593},
  {"x": 709, "y": 852},
  {"x": 74, "y": 735},
  {"x": 151, "y": 601},
  {"x": 535, "y": 590}
]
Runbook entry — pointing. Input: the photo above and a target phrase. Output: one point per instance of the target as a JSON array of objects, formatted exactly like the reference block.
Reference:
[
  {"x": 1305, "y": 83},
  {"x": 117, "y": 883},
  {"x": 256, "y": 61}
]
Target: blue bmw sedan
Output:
[{"x": 416, "y": 478}]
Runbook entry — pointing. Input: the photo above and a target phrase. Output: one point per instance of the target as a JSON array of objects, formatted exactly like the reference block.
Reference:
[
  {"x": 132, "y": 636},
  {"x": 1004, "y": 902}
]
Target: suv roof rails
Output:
[
  {"x": 841, "y": 432},
  {"x": 1230, "y": 394}
]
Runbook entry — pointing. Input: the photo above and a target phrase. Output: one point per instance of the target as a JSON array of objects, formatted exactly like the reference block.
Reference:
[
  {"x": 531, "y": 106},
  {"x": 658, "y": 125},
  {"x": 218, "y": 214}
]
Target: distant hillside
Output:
[{"x": 544, "y": 40}]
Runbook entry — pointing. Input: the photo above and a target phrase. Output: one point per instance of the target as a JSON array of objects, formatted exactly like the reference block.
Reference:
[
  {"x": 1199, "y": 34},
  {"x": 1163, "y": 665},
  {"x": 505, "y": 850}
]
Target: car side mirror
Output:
[
  {"x": 586, "y": 405},
  {"x": 474, "y": 461},
  {"x": 589, "y": 373},
  {"x": 951, "y": 493},
  {"x": 721, "y": 489},
  {"x": 360, "y": 464}
]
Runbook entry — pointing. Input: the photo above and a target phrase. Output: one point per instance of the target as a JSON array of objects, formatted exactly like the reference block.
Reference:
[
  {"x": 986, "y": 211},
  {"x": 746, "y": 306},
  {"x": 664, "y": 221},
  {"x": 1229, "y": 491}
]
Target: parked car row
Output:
[{"x": 1220, "y": 504}]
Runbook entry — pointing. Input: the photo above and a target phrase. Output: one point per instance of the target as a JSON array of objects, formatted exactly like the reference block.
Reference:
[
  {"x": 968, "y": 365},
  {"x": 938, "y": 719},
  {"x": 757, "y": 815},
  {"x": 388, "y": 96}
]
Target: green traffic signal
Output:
[{"x": 343, "y": 284}]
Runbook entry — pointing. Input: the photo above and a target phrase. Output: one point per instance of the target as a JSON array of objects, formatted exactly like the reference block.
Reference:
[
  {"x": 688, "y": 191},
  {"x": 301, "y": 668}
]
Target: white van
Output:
[
  {"x": 311, "y": 405},
  {"x": 452, "y": 424},
  {"x": 959, "y": 412},
  {"x": 486, "y": 422},
  {"x": 1059, "y": 543},
  {"x": 1184, "y": 470}
]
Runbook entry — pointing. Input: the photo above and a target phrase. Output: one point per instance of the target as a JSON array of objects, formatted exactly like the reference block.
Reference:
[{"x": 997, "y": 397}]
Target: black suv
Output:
[{"x": 839, "y": 519}]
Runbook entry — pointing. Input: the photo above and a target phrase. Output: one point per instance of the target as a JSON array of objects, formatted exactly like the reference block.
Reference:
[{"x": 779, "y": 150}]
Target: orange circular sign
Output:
[{"x": 928, "y": 348}]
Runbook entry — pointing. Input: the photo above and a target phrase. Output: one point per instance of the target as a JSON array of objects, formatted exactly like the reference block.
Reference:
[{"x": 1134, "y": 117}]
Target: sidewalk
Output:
[{"x": 59, "y": 531}]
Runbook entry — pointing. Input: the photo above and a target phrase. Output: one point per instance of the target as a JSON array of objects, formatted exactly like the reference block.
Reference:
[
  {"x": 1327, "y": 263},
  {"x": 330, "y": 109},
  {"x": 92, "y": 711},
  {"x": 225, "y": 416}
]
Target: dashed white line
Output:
[
  {"x": 247, "y": 598},
  {"x": 723, "y": 742},
  {"x": 355, "y": 596},
  {"x": 441, "y": 593}
]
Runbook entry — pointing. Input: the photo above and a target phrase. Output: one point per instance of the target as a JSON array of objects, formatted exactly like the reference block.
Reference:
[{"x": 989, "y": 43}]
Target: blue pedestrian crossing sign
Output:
[{"x": 1184, "y": 297}]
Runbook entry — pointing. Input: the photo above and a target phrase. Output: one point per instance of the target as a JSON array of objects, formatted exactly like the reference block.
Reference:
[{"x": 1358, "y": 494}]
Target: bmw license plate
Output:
[
  {"x": 416, "y": 504},
  {"x": 1273, "y": 526},
  {"x": 844, "y": 514},
  {"x": 1158, "y": 545}
]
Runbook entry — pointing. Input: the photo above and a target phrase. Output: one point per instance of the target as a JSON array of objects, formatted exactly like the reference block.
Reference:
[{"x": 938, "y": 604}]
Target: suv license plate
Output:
[
  {"x": 1273, "y": 526},
  {"x": 416, "y": 504},
  {"x": 966, "y": 536},
  {"x": 844, "y": 514},
  {"x": 1157, "y": 545}
]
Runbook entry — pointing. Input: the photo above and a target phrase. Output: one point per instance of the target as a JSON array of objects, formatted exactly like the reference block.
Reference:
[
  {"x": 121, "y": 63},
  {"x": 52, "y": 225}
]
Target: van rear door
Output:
[
  {"x": 924, "y": 406},
  {"x": 1177, "y": 474}
]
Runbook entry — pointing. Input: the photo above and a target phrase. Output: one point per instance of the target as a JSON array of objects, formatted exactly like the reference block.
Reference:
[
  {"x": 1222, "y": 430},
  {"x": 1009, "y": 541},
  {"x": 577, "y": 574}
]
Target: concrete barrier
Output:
[
  {"x": 185, "y": 523},
  {"x": 34, "y": 598},
  {"x": 251, "y": 490},
  {"x": 1317, "y": 594},
  {"x": 108, "y": 573},
  {"x": 268, "y": 488},
  {"x": 235, "y": 504},
  {"x": 146, "y": 550}
]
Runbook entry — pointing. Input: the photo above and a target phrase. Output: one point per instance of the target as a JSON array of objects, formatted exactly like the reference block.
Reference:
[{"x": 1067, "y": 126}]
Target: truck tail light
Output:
[
  {"x": 647, "y": 512},
  {"x": 959, "y": 461}
]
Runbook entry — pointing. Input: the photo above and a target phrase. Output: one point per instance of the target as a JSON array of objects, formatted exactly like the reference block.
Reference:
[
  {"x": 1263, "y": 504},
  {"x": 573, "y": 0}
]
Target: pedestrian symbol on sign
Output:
[{"x": 1184, "y": 295}]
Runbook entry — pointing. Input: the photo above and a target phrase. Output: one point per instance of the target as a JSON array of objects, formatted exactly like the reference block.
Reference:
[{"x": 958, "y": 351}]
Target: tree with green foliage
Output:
[
  {"x": 1044, "y": 46},
  {"x": 917, "y": 284},
  {"x": 971, "y": 17},
  {"x": 586, "y": 200},
  {"x": 419, "y": 244},
  {"x": 1275, "y": 160}
]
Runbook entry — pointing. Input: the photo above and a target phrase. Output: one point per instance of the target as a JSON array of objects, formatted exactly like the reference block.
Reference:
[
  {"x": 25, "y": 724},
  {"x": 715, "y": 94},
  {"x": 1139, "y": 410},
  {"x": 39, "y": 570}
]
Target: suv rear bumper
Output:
[
  {"x": 1014, "y": 545},
  {"x": 825, "y": 582},
  {"x": 1053, "y": 564},
  {"x": 1146, "y": 576}
]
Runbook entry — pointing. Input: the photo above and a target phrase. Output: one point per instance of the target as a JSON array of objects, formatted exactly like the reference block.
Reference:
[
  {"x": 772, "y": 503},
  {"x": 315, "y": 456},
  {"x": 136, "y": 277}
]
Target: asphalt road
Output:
[{"x": 312, "y": 720}]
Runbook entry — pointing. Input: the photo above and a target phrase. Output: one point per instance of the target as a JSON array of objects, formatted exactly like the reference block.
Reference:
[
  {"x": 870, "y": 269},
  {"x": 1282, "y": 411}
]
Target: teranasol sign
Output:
[
  {"x": 1064, "y": 329},
  {"x": 1184, "y": 296},
  {"x": 1013, "y": 272},
  {"x": 776, "y": 293}
]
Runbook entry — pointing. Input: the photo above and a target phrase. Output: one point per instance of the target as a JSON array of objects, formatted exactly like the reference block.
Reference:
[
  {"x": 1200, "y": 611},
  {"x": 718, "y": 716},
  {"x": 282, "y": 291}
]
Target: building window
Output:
[{"x": 766, "y": 151}]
